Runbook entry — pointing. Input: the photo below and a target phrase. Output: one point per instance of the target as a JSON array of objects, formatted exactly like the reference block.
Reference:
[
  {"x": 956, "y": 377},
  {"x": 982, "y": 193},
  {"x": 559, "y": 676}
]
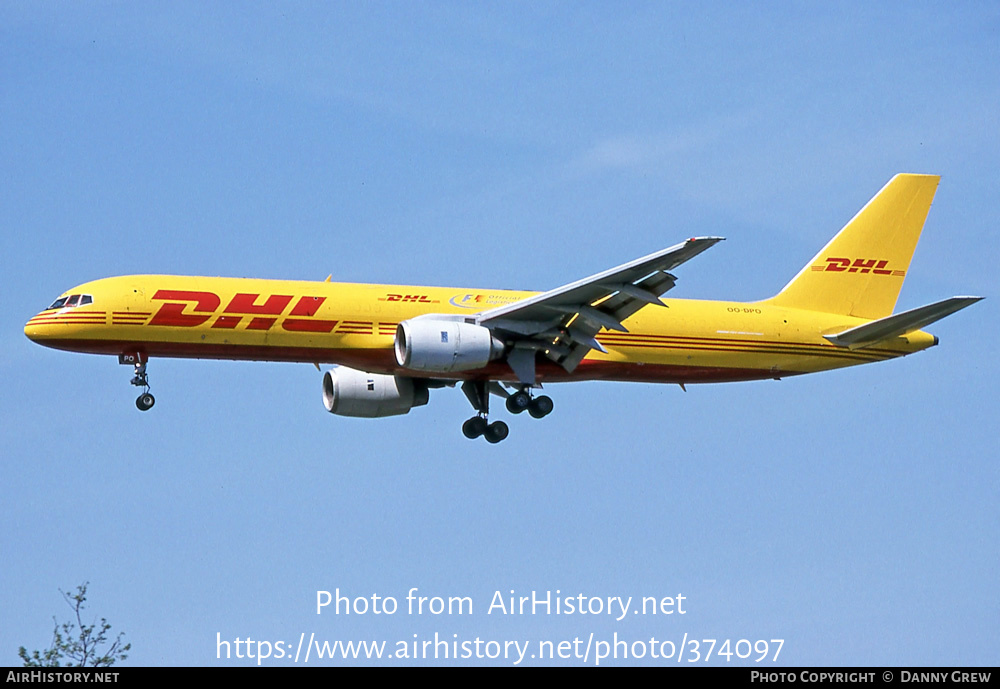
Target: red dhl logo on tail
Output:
[
  {"x": 187, "y": 309},
  {"x": 874, "y": 266}
]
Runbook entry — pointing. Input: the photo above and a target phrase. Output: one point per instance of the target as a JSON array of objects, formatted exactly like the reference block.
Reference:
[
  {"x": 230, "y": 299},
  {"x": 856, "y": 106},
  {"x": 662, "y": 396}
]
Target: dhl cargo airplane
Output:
[{"x": 390, "y": 344}]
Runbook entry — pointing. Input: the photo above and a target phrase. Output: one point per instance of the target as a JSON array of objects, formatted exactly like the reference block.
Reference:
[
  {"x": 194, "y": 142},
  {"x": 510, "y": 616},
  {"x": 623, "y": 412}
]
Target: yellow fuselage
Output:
[{"x": 354, "y": 325}]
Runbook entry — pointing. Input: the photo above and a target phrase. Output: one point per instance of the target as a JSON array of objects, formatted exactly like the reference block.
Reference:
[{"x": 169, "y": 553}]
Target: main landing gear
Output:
[
  {"x": 538, "y": 407},
  {"x": 480, "y": 426},
  {"x": 145, "y": 401},
  {"x": 478, "y": 393}
]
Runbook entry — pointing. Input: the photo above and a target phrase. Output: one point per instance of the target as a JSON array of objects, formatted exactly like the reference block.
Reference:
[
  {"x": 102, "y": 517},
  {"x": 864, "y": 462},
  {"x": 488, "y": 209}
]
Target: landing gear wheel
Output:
[
  {"x": 145, "y": 401},
  {"x": 540, "y": 406},
  {"x": 496, "y": 432},
  {"x": 478, "y": 393},
  {"x": 518, "y": 402},
  {"x": 474, "y": 427}
]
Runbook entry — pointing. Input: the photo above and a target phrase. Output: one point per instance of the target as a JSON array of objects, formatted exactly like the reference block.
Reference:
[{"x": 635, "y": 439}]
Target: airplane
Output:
[{"x": 390, "y": 345}]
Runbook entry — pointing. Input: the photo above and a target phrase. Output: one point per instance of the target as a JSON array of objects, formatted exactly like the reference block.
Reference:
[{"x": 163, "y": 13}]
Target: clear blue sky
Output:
[{"x": 853, "y": 513}]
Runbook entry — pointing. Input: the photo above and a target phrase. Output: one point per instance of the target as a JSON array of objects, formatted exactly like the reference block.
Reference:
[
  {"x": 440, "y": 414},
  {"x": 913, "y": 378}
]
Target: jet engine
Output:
[
  {"x": 443, "y": 346},
  {"x": 348, "y": 392}
]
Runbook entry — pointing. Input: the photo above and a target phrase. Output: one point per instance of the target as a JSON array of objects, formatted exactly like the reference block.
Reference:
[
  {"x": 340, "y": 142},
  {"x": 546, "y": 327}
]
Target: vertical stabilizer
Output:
[{"x": 860, "y": 272}]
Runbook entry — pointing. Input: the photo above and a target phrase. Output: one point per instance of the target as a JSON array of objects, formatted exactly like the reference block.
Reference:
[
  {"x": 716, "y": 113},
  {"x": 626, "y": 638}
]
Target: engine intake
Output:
[
  {"x": 348, "y": 392},
  {"x": 445, "y": 346}
]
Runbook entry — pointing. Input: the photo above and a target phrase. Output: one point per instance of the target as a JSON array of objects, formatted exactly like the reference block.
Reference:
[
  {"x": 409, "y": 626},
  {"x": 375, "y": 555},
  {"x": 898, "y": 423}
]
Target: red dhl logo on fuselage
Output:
[
  {"x": 188, "y": 309},
  {"x": 859, "y": 265},
  {"x": 418, "y": 298}
]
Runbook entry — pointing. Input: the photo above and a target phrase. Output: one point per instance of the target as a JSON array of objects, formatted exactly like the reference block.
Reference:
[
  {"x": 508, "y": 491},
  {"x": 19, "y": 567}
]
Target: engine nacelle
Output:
[
  {"x": 443, "y": 346},
  {"x": 348, "y": 392}
]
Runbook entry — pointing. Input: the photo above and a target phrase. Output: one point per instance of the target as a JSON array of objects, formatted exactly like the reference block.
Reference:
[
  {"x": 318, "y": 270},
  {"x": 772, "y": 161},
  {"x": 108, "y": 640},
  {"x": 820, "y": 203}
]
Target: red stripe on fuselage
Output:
[{"x": 383, "y": 361}]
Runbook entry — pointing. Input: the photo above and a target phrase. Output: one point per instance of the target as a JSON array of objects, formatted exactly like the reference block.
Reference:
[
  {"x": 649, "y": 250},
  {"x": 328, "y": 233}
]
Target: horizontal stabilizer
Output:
[{"x": 900, "y": 324}]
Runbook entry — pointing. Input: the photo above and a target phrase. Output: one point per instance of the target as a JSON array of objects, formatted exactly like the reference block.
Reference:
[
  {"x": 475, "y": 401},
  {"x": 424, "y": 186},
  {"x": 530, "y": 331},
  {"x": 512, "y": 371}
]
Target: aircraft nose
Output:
[{"x": 33, "y": 329}]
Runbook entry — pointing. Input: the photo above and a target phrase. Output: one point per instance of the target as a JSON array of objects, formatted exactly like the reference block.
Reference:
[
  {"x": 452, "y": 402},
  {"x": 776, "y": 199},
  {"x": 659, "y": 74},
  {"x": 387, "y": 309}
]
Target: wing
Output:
[{"x": 562, "y": 323}]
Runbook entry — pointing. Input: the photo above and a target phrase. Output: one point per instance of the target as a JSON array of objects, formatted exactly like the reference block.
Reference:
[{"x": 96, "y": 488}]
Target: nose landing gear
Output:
[{"x": 145, "y": 401}]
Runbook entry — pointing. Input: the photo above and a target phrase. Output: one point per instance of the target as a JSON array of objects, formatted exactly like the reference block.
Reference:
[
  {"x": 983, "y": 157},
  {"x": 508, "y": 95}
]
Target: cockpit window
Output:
[{"x": 72, "y": 300}]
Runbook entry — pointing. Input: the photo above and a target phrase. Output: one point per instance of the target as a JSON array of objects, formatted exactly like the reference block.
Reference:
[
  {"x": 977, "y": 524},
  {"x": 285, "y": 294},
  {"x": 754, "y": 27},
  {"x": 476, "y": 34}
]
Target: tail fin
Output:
[{"x": 860, "y": 272}]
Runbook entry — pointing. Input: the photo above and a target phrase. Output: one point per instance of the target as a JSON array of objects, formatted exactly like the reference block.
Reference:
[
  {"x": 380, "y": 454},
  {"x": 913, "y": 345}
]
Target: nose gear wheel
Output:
[{"x": 145, "y": 401}]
